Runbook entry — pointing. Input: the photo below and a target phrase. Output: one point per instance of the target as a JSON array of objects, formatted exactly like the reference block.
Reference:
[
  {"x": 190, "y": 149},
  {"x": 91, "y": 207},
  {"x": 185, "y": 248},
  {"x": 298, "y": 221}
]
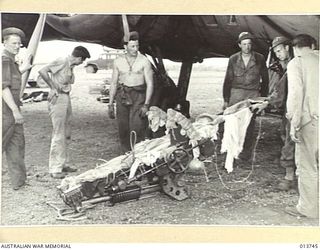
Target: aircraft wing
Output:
[{"x": 176, "y": 37}]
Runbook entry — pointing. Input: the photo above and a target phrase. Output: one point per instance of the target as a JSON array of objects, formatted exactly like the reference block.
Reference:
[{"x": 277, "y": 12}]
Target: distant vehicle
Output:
[{"x": 105, "y": 61}]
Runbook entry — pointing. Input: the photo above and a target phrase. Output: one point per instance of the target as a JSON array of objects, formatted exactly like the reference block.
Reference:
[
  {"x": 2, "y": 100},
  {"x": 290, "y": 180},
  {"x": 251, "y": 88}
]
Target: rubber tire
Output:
[
  {"x": 32, "y": 84},
  {"x": 91, "y": 69}
]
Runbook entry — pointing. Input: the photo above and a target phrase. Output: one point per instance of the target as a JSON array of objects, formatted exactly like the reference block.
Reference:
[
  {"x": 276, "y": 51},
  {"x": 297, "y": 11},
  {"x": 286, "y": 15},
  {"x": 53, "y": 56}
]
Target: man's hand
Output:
[
  {"x": 53, "y": 95},
  {"x": 18, "y": 117},
  {"x": 293, "y": 134},
  {"x": 277, "y": 67},
  {"x": 225, "y": 105},
  {"x": 257, "y": 108},
  {"x": 111, "y": 111},
  {"x": 143, "y": 110},
  {"x": 27, "y": 65}
]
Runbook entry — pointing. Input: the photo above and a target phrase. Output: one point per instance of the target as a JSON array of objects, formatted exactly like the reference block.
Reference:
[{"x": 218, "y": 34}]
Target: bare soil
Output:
[{"x": 94, "y": 136}]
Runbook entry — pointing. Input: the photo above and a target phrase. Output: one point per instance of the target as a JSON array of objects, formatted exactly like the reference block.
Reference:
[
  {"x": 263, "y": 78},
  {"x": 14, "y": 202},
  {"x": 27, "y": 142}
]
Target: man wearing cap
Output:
[
  {"x": 246, "y": 77},
  {"x": 132, "y": 86},
  {"x": 278, "y": 90},
  {"x": 59, "y": 76},
  {"x": 13, "y": 142},
  {"x": 303, "y": 113}
]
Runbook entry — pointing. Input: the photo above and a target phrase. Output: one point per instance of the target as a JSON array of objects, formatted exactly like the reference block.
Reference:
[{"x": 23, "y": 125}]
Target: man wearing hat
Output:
[
  {"x": 246, "y": 77},
  {"x": 278, "y": 91},
  {"x": 132, "y": 87},
  {"x": 59, "y": 76},
  {"x": 13, "y": 142},
  {"x": 282, "y": 51}
]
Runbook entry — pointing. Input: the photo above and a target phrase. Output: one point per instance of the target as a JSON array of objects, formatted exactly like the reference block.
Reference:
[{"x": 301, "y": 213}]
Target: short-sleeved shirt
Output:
[
  {"x": 11, "y": 78},
  {"x": 62, "y": 74}
]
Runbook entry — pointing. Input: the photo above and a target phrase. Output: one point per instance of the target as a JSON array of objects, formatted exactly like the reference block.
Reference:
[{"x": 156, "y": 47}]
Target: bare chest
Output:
[{"x": 131, "y": 65}]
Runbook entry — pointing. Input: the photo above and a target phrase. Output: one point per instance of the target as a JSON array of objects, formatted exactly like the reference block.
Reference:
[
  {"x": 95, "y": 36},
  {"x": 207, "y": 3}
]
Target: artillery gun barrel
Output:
[{"x": 144, "y": 190}]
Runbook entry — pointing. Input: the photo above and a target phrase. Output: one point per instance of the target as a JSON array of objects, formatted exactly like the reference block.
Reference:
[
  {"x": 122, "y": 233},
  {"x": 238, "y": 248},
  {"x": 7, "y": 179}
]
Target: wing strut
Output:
[
  {"x": 32, "y": 48},
  {"x": 126, "y": 30},
  {"x": 183, "y": 85}
]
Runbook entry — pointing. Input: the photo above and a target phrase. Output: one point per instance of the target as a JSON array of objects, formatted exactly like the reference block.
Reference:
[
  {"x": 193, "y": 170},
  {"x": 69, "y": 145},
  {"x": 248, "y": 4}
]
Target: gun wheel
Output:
[{"x": 178, "y": 161}]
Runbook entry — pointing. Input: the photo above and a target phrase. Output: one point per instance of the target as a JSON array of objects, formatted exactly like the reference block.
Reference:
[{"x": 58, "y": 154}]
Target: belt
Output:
[
  {"x": 240, "y": 87},
  {"x": 139, "y": 88}
]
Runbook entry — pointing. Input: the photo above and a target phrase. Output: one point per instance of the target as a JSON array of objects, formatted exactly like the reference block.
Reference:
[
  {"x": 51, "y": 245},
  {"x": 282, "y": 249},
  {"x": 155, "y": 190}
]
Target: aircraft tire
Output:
[{"x": 91, "y": 69}]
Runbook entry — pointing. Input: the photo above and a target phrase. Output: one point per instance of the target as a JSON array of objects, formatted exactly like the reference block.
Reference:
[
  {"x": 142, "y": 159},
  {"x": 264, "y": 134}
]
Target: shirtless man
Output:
[{"x": 132, "y": 87}]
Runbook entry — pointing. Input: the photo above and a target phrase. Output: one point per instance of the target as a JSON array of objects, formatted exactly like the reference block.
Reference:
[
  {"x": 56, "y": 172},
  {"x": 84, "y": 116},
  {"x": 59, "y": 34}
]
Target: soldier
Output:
[
  {"x": 246, "y": 77},
  {"x": 278, "y": 90},
  {"x": 132, "y": 86},
  {"x": 303, "y": 113},
  {"x": 13, "y": 142},
  {"x": 59, "y": 76}
]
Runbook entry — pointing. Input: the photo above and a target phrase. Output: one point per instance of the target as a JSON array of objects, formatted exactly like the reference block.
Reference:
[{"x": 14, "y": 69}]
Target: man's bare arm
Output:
[
  {"x": 113, "y": 90},
  {"x": 114, "y": 82},
  {"x": 148, "y": 76},
  {"x": 26, "y": 66},
  {"x": 44, "y": 73}
]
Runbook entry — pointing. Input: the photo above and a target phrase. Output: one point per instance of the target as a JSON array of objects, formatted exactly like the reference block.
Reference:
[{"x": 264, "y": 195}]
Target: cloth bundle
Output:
[{"x": 146, "y": 152}]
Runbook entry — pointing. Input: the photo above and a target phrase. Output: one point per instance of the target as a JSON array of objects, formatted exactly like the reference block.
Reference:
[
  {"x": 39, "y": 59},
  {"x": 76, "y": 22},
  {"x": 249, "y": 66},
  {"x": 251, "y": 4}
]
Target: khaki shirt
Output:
[
  {"x": 303, "y": 89},
  {"x": 62, "y": 74},
  {"x": 11, "y": 78}
]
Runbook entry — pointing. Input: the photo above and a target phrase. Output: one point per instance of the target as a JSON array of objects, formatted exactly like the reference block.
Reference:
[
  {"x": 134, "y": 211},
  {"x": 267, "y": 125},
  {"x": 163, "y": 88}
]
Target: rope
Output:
[
  {"x": 133, "y": 140},
  {"x": 206, "y": 174},
  {"x": 173, "y": 134},
  {"x": 252, "y": 164}
]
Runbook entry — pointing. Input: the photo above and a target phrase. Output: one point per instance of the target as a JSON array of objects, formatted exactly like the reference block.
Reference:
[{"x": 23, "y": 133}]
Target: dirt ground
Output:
[{"x": 94, "y": 137}]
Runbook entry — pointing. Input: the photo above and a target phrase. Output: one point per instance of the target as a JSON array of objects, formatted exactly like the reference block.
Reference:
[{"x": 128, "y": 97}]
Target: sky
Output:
[{"x": 50, "y": 50}]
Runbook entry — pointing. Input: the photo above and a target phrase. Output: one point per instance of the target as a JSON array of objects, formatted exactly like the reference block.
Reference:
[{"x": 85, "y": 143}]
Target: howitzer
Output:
[
  {"x": 164, "y": 176},
  {"x": 131, "y": 193},
  {"x": 153, "y": 165}
]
